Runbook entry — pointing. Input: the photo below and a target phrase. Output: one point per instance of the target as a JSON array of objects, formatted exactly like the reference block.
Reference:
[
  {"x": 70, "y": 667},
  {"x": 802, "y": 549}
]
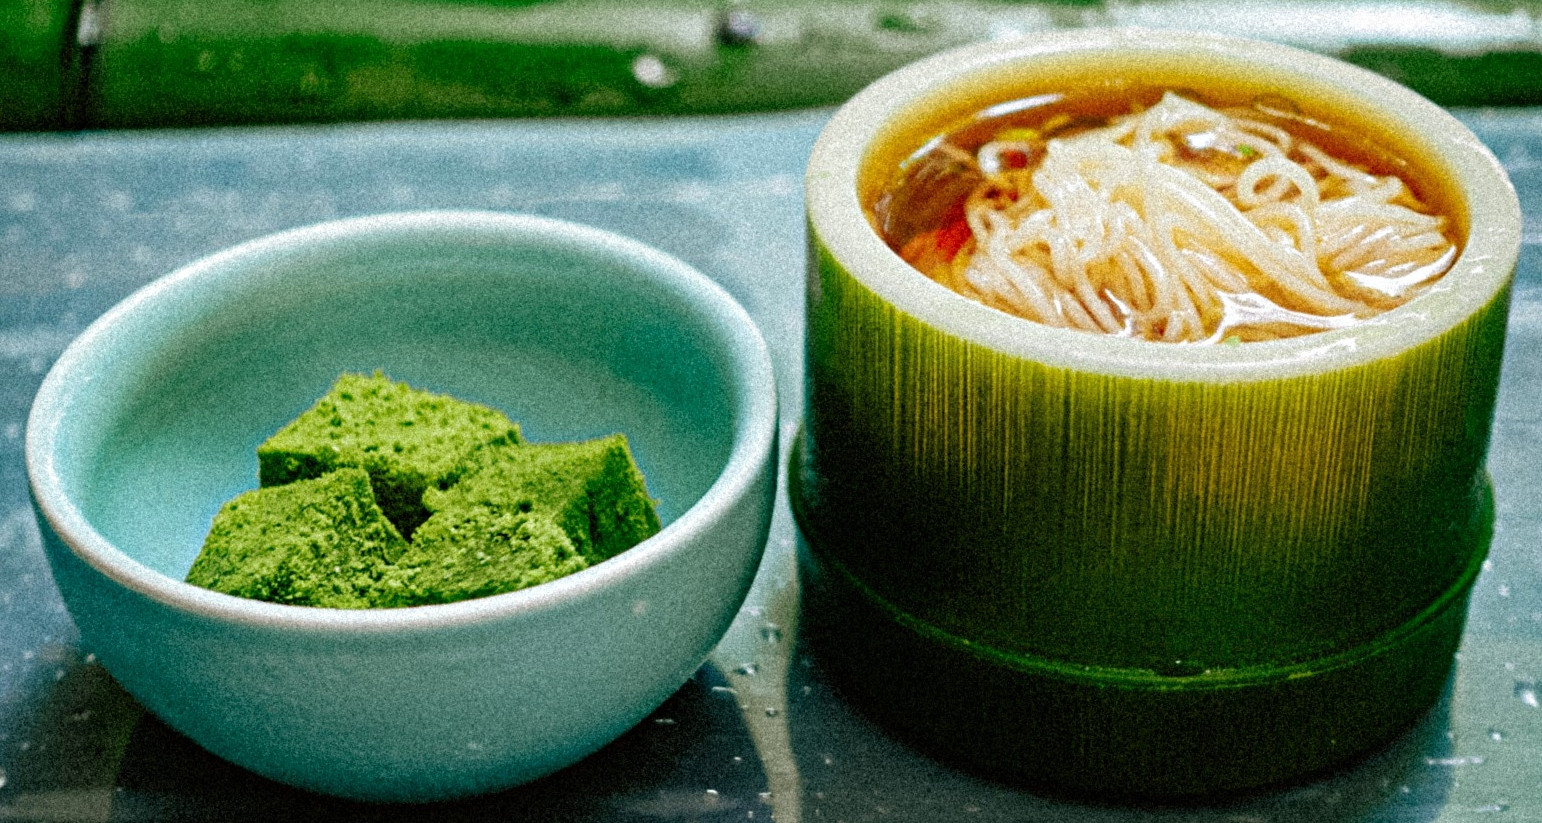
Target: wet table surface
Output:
[{"x": 757, "y": 733}]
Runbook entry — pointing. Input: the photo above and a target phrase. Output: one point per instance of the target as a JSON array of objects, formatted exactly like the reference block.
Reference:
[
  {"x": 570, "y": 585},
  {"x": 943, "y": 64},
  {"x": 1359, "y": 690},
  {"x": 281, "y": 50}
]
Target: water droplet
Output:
[
  {"x": 1463, "y": 760},
  {"x": 754, "y": 611},
  {"x": 738, "y": 760},
  {"x": 1526, "y": 690},
  {"x": 1504, "y": 589},
  {"x": 90, "y": 658},
  {"x": 2, "y": 778},
  {"x": 652, "y": 72},
  {"x": 81, "y": 716},
  {"x": 738, "y": 27},
  {"x": 723, "y": 690},
  {"x": 1405, "y": 789},
  {"x": 828, "y": 759},
  {"x": 664, "y": 721},
  {"x": 771, "y": 633},
  {"x": 1496, "y": 735},
  {"x": 972, "y": 809},
  {"x": 23, "y": 201},
  {"x": 772, "y": 711},
  {"x": 765, "y": 797},
  {"x": 807, "y": 690},
  {"x": 712, "y": 792},
  {"x": 1492, "y": 808},
  {"x": 748, "y": 670}
]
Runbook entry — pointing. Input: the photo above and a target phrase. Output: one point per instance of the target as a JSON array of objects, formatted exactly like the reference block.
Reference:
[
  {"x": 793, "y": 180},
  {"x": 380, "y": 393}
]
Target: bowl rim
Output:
[
  {"x": 838, "y": 224},
  {"x": 752, "y": 386}
]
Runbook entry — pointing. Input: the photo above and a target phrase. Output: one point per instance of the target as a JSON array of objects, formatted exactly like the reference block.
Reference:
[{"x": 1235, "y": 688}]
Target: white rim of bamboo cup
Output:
[{"x": 930, "y": 90}]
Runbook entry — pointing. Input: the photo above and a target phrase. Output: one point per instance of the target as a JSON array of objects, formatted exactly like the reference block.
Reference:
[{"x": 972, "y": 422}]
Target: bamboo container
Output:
[{"x": 1121, "y": 567}]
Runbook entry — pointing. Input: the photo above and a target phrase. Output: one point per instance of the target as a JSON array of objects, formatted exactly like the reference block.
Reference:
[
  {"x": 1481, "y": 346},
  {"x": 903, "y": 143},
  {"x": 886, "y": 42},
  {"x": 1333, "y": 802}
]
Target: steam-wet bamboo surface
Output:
[{"x": 84, "y": 219}]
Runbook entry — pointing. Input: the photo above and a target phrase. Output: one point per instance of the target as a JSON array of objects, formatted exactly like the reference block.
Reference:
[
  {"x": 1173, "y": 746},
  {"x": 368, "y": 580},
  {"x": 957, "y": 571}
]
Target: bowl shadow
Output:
[{"x": 689, "y": 759}]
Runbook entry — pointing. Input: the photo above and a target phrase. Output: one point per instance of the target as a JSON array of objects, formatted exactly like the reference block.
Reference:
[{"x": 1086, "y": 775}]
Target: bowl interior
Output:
[{"x": 572, "y": 332}]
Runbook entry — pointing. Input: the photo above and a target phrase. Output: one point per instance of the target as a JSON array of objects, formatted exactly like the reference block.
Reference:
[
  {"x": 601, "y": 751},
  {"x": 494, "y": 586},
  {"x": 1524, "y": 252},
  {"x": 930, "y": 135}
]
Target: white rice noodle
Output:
[{"x": 1118, "y": 230}]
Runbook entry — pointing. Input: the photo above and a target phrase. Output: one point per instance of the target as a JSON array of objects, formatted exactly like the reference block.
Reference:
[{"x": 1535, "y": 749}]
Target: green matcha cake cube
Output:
[
  {"x": 407, "y": 439},
  {"x": 315, "y": 542},
  {"x": 592, "y": 490},
  {"x": 477, "y": 551}
]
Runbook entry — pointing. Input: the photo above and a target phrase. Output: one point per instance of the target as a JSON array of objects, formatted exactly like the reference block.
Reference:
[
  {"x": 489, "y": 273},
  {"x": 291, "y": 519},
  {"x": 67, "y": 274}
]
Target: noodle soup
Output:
[
  {"x": 1157, "y": 215},
  {"x": 1111, "y": 564}
]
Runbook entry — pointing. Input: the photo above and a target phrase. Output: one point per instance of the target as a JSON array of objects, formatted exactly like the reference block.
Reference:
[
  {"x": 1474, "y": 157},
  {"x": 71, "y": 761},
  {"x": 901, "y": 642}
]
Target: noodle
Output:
[{"x": 1182, "y": 223}]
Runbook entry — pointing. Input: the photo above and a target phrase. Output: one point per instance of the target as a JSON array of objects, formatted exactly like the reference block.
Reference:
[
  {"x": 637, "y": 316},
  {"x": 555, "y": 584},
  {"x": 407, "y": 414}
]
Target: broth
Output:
[{"x": 1052, "y": 208}]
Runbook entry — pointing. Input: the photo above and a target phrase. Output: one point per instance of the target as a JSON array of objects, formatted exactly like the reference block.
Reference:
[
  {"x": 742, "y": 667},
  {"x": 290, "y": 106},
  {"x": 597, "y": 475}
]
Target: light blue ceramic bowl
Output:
[{"x": 149, "y": 421}]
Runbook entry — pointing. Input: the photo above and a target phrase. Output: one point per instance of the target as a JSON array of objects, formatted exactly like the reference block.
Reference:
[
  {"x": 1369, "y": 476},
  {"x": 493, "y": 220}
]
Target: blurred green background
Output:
[{"x": 70, "y": 64}]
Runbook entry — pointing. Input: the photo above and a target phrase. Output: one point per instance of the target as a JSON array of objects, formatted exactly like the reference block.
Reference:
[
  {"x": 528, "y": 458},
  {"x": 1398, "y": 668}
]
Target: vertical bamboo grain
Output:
[{"x": 1119, "y": 521}]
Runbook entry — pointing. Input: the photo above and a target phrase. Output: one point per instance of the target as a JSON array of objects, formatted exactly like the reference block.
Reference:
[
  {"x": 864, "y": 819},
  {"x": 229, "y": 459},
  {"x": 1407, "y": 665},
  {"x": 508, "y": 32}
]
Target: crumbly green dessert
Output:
[
  {"x": 316, "y": 542},
  {"x": 381, "y": 495},
  {"x": 592, "y": 489},
  {"x": 477, "y": 551},
  {"x": 407, "y": 439}
]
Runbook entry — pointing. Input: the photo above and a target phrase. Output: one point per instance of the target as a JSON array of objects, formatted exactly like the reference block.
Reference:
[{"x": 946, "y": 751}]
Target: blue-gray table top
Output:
[{"x": 87, "y": 218}]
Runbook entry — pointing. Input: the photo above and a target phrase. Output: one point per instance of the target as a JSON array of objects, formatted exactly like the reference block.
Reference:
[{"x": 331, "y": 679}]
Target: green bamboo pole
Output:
[
  {"x": 36, "y": 74},
  {"x": 181, "y": 62}
]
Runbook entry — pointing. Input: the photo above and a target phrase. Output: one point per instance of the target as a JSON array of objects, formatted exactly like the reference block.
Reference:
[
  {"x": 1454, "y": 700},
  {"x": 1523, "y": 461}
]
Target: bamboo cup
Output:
[{"x": 1115, "y": 566}]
